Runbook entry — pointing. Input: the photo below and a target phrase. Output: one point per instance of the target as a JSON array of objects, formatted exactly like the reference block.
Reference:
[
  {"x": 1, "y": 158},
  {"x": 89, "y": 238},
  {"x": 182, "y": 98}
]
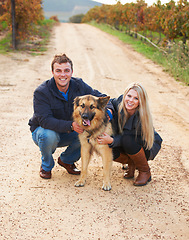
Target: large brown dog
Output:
[{"x": 90, "y": 114}]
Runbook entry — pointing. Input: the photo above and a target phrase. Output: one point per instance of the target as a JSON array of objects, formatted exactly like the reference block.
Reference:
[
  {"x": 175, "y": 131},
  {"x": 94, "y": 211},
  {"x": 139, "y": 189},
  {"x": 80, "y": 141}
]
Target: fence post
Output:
[{"x": 13, "y": 24}]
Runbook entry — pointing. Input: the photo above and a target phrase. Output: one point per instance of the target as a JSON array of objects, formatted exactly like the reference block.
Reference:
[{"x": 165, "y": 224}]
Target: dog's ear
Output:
[
  {"x": 102, "y": 101},
  {"x": 76, "y": 101}
]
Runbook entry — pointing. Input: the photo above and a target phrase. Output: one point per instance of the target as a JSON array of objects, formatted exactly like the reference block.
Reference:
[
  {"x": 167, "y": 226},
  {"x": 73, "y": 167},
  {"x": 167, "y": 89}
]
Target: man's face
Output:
[{"x": 62, "y": 74}]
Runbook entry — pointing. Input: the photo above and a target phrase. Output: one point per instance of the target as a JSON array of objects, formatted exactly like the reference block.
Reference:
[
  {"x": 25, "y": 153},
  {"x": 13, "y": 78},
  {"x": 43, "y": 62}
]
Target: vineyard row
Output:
[{"x": 171, "y": 19}]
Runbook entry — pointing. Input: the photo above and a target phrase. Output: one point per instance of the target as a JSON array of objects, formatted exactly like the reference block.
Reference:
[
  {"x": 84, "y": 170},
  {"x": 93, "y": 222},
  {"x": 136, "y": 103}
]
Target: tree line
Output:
[
  {"x": 170, "y": 19},
  {"x": 27, "y": 14}
]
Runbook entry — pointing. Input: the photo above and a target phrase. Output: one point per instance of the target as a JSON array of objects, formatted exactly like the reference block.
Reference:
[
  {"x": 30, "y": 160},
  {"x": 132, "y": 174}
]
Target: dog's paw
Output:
[
  {"x": 80, "y": 183},
  {"x": 106, "y": 187}
]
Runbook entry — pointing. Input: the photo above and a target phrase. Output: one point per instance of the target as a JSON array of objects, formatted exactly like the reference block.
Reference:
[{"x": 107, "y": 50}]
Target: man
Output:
[{"x": 52, "y": 125}]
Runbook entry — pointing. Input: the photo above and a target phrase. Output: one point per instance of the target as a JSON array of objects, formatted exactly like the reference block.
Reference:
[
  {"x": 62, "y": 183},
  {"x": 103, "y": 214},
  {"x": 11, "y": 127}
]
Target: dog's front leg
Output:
[
  {"x": 107, "y": 164},
  {"x": 85, "y": 158}
]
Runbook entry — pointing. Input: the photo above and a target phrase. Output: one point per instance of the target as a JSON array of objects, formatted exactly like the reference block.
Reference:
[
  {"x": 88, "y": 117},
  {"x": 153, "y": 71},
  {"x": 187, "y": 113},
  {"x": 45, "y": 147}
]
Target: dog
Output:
[{"x": 90, "y": 113}]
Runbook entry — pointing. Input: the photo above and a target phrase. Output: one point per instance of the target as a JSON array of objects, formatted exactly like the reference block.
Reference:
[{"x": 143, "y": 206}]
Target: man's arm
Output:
[{"x": 44, "y": 115}]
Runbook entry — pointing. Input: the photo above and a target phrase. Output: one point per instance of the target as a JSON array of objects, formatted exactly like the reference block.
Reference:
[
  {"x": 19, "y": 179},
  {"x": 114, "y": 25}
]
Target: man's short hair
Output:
[{"x": 61, "y": 58}]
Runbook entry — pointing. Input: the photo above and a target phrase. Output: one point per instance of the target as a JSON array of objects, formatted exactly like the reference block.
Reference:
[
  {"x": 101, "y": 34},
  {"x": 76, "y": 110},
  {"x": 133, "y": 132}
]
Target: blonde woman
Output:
[{"x": 135, "y": 137}]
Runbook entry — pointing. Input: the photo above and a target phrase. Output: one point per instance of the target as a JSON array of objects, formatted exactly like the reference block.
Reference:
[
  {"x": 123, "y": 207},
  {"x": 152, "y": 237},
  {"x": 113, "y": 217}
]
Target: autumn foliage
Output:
[
  {"x": 28, "y": 12},
  {"x": 171, "y": 19}
]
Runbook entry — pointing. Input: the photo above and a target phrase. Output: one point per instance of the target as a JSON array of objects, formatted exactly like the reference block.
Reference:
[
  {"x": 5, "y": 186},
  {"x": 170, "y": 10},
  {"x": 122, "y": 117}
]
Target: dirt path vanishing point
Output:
[{"x": 33, "y": 208}]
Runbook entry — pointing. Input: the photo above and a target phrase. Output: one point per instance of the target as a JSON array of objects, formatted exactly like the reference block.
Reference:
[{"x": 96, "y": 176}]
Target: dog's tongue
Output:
[{"x": 87, "y": 122}]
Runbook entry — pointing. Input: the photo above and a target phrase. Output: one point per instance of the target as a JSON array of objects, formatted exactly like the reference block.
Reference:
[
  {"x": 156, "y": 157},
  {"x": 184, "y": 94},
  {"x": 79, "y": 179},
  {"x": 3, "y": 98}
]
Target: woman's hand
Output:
[{"x": 104, "y": 139}]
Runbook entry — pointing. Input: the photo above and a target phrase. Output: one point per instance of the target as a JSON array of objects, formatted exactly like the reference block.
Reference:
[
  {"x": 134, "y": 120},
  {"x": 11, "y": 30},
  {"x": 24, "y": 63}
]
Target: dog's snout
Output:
[{"x": 85, "y": 116}]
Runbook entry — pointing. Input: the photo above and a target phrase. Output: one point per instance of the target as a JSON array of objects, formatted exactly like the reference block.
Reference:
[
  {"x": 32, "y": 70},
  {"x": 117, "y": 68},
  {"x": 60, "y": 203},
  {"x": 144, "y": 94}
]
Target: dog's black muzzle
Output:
[{"x": 87, "y": 118}]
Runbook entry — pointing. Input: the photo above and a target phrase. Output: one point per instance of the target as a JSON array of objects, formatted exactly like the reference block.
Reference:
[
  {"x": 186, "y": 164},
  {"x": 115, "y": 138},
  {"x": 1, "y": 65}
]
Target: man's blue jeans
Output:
[{"x": 48, "y": 140}]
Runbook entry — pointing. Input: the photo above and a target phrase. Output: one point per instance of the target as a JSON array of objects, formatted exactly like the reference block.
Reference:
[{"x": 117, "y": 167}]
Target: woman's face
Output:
[{"x": 131, "y": 101}]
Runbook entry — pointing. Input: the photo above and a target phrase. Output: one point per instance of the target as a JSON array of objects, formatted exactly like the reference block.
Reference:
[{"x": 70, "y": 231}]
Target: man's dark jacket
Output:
[{"x": 51, "y": 110}]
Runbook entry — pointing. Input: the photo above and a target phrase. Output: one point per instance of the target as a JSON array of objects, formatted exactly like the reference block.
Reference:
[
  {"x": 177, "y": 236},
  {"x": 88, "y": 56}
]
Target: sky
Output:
[{"x": 149, "y": 2}]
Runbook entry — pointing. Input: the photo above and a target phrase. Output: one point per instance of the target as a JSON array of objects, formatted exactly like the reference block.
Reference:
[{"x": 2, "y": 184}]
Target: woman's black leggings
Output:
[{"x": 131, "y": 144}]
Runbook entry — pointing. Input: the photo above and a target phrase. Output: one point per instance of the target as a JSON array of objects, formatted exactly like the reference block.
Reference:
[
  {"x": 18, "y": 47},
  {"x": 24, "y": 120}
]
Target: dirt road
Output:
[{"x": 33, "y": 208}]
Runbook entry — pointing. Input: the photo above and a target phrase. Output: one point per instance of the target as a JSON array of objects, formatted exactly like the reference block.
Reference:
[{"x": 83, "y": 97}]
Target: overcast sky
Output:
[{"x": 149, "y": 2}]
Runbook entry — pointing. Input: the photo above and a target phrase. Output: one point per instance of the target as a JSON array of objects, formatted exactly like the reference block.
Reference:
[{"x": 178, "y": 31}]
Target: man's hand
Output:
[{"x": 77, "y": 128}]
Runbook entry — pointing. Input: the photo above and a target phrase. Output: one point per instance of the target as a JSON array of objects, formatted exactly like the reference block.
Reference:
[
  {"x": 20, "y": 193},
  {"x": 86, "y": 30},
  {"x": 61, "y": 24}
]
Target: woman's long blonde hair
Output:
[{"x": 147, "y": 129}]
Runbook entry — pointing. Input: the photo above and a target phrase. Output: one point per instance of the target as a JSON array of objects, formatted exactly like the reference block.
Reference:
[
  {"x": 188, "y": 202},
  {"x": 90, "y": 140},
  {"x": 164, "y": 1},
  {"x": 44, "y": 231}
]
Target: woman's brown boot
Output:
[
  {"x": 141, "y": 164},
  {"x": 130, "y": 170},
  {"x": 123, "y": 158}
]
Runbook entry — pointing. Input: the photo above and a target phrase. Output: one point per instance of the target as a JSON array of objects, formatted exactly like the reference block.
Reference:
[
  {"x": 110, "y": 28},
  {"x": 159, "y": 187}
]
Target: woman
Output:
[{"x": 135, "y": 136}]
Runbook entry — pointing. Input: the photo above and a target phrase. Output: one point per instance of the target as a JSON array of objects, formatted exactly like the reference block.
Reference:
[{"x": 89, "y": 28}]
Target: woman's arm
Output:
[{"x": 105, "y": 139}]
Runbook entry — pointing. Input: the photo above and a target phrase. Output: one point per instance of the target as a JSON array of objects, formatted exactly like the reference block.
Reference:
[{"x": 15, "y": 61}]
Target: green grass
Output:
[
  {"x": 5, "y": 44},
  {"x": 3, "y": 25},
  {"x": 175, "y": 63}
]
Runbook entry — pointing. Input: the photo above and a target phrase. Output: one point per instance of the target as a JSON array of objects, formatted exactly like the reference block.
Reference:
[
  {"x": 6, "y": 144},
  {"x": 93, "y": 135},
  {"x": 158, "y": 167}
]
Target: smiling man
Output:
[
  {"x": 52, "y": 125},
  {"x": 62, "y": 74}
]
